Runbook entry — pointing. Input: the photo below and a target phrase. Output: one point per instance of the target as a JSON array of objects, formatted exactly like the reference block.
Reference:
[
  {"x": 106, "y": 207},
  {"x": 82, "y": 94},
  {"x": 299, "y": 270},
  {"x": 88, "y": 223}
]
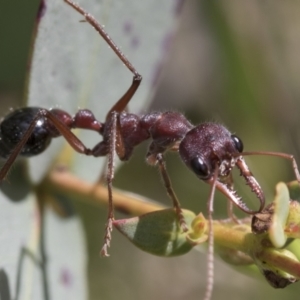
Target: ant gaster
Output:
[{"x": 209, "y": 149}]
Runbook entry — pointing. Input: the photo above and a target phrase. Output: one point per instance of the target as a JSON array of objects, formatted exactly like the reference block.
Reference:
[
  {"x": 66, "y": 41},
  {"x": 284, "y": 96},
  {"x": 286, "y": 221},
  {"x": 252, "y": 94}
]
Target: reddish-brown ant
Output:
[{"x": 208, "y": 149}]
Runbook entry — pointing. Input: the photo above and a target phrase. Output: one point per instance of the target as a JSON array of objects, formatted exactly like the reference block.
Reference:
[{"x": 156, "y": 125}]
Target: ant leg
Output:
[
  {"x": 137, "y": 78},
  {"x": 109, "y": 179},
  {"x": 210, "y": 251},
  {"x": 170, "y": 191},
  {"x": 90, "y": 19},
  {"x": 65, "y": 131},
  {"x": 119, "y": 149},
  {"x": 278, "y": 154},
  {"x": 230, "y": 212},
  {"x": 124, "y": 100}
]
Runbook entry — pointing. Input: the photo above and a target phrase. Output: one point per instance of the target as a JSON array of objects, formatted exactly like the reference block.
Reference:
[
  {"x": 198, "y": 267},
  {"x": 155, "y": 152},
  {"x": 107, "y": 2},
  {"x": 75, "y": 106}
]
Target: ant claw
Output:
[
  {"x": 181, "y": 219},
  {"x": 183, "y": 226},
  {"x": 103, "y": 251},
  {"x": 107, "y": 237}
]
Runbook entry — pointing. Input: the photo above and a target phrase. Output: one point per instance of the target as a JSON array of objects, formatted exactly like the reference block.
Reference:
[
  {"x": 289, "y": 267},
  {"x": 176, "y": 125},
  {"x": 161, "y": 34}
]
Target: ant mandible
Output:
[{"x": 208, "y": 149}]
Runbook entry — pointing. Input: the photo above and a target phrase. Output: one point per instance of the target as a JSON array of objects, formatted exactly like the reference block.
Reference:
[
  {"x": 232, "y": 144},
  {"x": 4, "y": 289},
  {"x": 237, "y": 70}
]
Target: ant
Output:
[{"x": 210, "y": 150}]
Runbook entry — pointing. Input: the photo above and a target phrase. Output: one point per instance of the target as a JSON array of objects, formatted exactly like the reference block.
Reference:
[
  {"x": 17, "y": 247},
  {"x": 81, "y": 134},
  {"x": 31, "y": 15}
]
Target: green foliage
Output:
[{"x": 158, "y": 233}]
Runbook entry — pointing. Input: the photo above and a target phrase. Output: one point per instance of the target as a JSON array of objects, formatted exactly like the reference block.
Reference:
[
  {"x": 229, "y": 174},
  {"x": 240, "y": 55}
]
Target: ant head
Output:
[{"x": 209, "y": 148}]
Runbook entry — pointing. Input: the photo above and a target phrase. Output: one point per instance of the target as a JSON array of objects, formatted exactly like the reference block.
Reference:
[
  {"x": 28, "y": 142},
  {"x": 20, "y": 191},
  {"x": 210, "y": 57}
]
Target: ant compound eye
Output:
[
  {"x": 238, "y": 143},
  {"x": 200, "y": 167}
]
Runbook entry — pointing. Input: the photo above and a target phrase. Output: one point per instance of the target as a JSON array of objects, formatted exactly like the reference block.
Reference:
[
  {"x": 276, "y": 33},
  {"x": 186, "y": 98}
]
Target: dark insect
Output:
[{"x": 209, "y": 149}]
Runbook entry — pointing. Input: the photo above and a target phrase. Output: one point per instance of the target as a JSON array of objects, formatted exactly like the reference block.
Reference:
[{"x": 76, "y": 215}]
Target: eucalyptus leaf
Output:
[
  {"x": 158, "y": 232},
  {"x": 74, "y": 68}
]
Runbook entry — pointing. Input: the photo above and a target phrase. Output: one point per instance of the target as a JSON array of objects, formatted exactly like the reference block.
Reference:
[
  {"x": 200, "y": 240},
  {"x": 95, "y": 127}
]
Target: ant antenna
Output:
[{"x": 278, "y": 154}]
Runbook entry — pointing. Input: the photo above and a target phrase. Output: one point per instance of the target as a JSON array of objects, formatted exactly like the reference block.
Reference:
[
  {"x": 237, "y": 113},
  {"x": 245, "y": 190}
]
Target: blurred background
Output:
[{"x": 232, "y": 62}]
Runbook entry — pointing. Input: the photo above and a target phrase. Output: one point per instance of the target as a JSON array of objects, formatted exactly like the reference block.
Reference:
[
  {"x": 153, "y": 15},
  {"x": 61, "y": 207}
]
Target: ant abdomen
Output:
[
  {"x": 16, "y": 124},
  {"x": 12, "y": 130}
]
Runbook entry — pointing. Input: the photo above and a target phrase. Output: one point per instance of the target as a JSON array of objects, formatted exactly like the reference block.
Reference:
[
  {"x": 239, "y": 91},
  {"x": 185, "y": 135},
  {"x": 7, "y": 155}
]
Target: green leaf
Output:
[
  {"x": 74, "y": 68},
  {"x": 294, "y": 189},
  {"x": 276, "y": 275},
  {"x": 292, "y": 228},
  {"x": 279, "y": 218},
  {"x": 159, "y": 232}
]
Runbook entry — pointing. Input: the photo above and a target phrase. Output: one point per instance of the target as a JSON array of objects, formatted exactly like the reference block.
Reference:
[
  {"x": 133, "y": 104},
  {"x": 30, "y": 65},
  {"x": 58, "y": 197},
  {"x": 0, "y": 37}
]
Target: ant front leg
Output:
[
  {"x": 112, "y": 124},
  {"x": 170, "y": 191}
]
